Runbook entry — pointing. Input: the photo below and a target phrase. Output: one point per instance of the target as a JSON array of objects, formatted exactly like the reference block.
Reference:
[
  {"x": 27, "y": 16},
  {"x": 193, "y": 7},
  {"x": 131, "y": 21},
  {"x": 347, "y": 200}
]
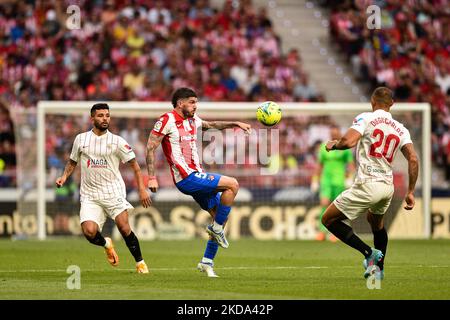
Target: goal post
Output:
[{"x": 300, "y": 121}]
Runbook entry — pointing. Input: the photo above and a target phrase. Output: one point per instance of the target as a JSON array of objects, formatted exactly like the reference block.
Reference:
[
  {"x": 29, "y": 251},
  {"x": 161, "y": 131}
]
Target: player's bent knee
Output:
[
  {"x": 228, "y": 183},
  {"x": 376, "y": 223},
  {"x": 89, "y": 230},
  {"x": 325, "y": 221},
  {"x": 234, "y": 185},
  {"x": 89, "y": 234},
  {"x": 328, "y": 218},
  {"x": 124, "y": 230}
]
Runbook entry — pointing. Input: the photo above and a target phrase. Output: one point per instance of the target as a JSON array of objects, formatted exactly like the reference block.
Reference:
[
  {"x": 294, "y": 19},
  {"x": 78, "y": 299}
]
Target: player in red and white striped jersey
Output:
[
  {"x": 102, "y": 187},
  {"x": 177, "y": 132},
  {"x": 179, "y": 145}
]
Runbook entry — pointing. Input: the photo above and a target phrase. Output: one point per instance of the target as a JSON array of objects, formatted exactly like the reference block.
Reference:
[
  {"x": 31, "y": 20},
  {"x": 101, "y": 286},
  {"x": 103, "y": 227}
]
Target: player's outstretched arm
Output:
[
  {"x": 220, "y": 125},
  {"x": 348, "y": 141},
  {"x": 413, "y": 172},
  {"x": 143, "y": 194},
  {"x": 70, "y": 166},
  {"x": 153, "y": 142}
]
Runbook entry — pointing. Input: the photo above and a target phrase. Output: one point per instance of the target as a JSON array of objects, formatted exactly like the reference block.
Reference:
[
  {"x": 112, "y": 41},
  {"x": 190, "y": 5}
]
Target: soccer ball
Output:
[{"x": 268, "y": 113}]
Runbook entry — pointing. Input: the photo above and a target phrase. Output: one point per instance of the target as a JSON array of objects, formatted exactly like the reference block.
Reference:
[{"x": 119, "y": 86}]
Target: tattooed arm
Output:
[
  {"x": 70, "y": 166},
  {"x": 220, "y": 125},
  {"x": 153, "y": 142}
]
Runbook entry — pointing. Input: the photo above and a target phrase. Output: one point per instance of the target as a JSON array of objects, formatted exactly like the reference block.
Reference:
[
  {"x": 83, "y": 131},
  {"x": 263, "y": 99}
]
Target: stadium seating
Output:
[{"x": 139, "y": 50}]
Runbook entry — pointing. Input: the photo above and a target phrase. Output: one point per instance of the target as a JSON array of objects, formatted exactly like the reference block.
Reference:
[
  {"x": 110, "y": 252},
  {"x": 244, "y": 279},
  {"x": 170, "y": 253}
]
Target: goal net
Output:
[{"x": 274, "y": 167}]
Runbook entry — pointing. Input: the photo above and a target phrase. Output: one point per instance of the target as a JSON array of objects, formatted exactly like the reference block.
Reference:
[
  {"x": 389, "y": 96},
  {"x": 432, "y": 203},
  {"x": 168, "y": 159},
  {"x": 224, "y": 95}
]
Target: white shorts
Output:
[
  {"x": 357, "y": 200},
  {"x": 99, "y": 210}
]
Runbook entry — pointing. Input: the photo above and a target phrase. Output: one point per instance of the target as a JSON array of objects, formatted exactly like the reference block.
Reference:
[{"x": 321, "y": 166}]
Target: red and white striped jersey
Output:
[
  {"x": 100, "y": 158},
  {"x": 179, "y": 143}
]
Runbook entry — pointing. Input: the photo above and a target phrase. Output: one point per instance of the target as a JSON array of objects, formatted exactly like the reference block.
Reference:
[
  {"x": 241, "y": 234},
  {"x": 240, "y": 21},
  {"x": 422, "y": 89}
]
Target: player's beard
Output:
[
  {"x": 188, "y": 114},
  {"x": 100, "y": 126}
]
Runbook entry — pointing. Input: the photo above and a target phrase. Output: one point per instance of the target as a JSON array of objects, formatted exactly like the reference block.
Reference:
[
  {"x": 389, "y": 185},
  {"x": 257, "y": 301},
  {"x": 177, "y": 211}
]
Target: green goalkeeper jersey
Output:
[{"x": 334, "y": 165}]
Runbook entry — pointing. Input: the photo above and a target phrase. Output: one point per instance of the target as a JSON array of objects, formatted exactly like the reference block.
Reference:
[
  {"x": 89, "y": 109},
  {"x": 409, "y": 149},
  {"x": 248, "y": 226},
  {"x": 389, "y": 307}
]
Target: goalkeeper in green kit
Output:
[{"x": 335, "y": 171}]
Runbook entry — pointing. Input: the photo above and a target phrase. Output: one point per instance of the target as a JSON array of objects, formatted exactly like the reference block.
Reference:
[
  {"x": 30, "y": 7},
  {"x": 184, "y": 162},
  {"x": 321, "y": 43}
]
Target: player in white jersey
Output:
[
  {"x": 102, "y": 191},
  {"x": 378, "y": 138},
  {"x": 177, "y": 131}
]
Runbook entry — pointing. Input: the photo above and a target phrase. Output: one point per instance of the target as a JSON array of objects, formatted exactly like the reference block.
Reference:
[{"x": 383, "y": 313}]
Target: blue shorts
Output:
[{"x": 202, "y": 187}]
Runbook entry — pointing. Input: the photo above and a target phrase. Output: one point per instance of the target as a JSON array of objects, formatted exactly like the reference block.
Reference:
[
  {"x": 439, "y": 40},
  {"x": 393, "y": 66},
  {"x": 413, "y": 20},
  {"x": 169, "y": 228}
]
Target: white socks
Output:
[
  {"x": 107, "y": 244},
  {"x": 206, "y": 260},
  {"x": 217, "y": 227}
]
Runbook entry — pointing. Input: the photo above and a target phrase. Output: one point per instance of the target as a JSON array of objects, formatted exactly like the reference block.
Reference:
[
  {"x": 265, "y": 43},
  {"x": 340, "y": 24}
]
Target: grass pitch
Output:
[{"x": 248, "y": 270}]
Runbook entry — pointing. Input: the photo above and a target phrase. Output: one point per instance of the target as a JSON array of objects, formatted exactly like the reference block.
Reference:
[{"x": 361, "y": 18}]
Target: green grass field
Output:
[{"x": 249, "y": 269}]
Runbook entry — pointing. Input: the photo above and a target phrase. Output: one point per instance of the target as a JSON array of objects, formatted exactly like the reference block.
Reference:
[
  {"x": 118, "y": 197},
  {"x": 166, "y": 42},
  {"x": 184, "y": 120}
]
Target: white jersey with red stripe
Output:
[
  {"x": 382, "y": 137},
  {"x": 179, "y": 143},
  {"x": 100, "y": 158}
]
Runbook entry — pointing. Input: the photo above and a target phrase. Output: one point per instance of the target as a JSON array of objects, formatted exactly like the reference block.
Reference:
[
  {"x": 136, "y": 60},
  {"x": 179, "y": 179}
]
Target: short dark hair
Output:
[
  {"x": 98, "y": 106},
  {"x": 182, "y": 93},
  {"x": 383, "y": 96}
]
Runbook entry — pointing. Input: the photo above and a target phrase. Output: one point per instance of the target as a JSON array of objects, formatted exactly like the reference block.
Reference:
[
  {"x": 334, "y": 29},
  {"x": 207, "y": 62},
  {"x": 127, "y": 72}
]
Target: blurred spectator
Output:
[
  {"x": 304, "y": 91},
  {"x": 214, "y": 90},
  {"x": 134, "y": 80}
]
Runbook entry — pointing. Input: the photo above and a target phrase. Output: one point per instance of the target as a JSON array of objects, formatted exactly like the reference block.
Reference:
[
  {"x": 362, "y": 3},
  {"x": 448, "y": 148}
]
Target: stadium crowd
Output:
[
  {"x": 143, "y": 50},
  {"x": 140, "y": 50},
  {"x": 410, "y": 53}
]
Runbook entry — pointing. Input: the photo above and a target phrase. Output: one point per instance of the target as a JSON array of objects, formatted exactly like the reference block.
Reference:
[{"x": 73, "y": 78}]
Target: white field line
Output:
[{"x": 217, "y": 268}]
